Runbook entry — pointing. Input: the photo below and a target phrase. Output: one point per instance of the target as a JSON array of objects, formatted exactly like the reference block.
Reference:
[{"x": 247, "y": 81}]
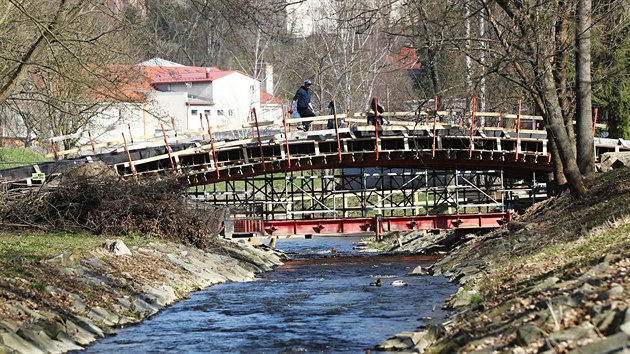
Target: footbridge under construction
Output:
[{"x": 416, "y": 171}]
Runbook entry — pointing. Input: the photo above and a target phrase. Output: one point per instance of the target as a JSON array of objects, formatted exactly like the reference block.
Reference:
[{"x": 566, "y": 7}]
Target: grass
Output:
[
  {"x": 612, "y": 237},
  {"x": 18, "y": 251},
  {"x": 15, "y": 156}
]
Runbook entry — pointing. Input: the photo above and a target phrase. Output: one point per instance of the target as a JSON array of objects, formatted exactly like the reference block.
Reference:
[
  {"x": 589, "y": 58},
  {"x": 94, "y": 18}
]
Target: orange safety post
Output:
[
  {"x": 174, "y": 130},
  {"x": 286, "y": 137},
  {"x": 214, "y": 151},
  {"x": 203, "y": 136},
  {"x": 54, "y": 149},
  {"x": 595, "y": 120},
  {"x": 130, "y": 135},
  {"x": 473, "y": 108},
  {"x": 518, "y": 130},
  {"x": 435, "y": 108},
  {"x": 376, "y": 125},
  {"x": 262, "y": 156},
  {"x": 131, "y": 166},
  {"x": 168, "y": 150},
  {"x": 334, "y": 112},
  {"x": 92, "y": 143}
]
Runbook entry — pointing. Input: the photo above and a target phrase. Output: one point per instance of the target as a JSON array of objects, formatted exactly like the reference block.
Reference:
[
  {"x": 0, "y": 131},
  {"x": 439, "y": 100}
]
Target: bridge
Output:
[{"x": 418, "y": 171}]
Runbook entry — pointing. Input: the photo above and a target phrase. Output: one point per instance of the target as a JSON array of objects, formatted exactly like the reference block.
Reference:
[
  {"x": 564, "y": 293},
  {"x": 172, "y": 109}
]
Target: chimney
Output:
[
  {"x": 208, "y": 72},
  {"x": 268, "y": 84}
]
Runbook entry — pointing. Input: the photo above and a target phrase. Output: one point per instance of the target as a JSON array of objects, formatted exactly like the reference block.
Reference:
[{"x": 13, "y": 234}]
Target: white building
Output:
[
  {"x": 187, "y": 98},
  {"x": 307, "y": 17}
]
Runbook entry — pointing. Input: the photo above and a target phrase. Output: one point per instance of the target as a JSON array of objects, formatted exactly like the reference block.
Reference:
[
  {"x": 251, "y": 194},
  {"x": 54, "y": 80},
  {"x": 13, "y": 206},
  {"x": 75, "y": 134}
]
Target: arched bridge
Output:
[{"x": 416, "y": 171}]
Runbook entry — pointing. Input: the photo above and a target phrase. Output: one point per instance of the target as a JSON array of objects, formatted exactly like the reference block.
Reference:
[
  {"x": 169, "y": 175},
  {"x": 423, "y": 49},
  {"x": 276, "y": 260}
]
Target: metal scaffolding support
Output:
[{"x": 369, "y": 193}]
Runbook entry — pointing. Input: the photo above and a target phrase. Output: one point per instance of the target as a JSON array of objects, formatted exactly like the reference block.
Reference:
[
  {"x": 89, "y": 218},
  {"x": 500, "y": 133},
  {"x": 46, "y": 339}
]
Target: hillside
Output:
[{"x": 555, "y": 280}]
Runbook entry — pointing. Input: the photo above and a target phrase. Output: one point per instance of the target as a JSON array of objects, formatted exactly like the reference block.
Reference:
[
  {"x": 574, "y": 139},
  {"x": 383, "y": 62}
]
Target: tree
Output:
[
  {"x": 611, "y": 65},
  {"x": 585, "y": 151},
  {"x": 56, "y": 70}
]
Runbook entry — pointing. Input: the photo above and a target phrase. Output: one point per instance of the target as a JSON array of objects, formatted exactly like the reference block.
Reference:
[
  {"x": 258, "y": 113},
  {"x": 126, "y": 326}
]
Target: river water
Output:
[{"x": 317, "y": 303}]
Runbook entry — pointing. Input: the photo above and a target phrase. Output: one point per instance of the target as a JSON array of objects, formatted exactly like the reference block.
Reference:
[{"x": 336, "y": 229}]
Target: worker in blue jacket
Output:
[{"x": 304, "y": 107}]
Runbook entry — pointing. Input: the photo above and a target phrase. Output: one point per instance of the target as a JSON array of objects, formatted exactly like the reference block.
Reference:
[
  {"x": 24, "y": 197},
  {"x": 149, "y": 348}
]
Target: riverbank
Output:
[
  {"x": 556, "y": 280},
  {"x": 64, "y": 302}
]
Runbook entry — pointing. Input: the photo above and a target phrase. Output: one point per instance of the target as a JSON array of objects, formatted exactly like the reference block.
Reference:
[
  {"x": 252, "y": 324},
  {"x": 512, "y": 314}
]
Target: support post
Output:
[
  {"x": 595, "y": 120},
  {"x": 174, "y": 129},
  {"x": 54, "y": 149},
  {"x": 518, "y": 131},
  {"x": 435, "y": 108},
  {"x": 168, "y": 150},
  {"x": 203, "y": 136},
  {"x": 286, "y": 137},
  {"x": 131, "y": 166},
  {"x": 262, "y": 156},
  {"x": 473, "y": 108},
  {"x": 376, "y": 125},
  {"x": 334, "y": 112},
  {"x": 214, "y": 151},
  {"x": 130, "y": 135},
  {"x": 92, "y": 143}
]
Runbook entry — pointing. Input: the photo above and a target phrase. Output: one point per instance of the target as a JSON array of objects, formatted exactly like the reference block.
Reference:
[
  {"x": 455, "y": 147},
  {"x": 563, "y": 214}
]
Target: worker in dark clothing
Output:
[
  {"x": 304, "y": 107},
  {"x": 375, "y": 107},
  {"x": 331, "y": 121}
]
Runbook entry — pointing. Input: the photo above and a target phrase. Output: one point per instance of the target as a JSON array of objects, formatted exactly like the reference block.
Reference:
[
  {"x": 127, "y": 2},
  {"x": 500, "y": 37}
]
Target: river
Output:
[{"x": 317, "y": 303}]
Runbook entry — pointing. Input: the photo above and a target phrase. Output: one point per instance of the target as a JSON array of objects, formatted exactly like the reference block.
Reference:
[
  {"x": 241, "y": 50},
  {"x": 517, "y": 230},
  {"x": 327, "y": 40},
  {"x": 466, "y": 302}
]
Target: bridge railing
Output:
[{"x": 469, "y": 121}]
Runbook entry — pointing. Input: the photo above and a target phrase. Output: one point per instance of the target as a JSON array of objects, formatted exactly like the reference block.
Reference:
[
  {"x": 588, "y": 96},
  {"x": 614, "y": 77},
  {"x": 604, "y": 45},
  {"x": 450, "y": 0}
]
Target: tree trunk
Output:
[
  {"x": 559, "y": 180},
  {"x": 556, "y": 131},
  {"x": 585, "y": 152},
  {"x": 15, "y": 77},
  {"x": 560, "y": 72}
]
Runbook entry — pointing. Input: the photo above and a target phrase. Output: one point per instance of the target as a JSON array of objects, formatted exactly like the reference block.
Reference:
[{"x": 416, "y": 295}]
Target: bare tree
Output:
[
  {"x": 523, "y": 31},
  {"x": 60, "y": 78}
]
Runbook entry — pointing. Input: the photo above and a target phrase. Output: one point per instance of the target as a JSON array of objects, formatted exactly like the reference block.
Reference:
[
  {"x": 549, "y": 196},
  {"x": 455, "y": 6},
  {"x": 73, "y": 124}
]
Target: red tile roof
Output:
[
  {"x": 267, "y": 98},
  {"x": 172, "y": 74},
  {"x": 406, "y": 58}
]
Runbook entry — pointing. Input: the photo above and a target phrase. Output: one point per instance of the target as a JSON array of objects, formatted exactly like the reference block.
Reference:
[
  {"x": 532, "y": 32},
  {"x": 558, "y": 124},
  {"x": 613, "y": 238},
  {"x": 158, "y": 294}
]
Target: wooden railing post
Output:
[
  {"x": 168, "y": 150},
  {"x": 203, "y": 136},
  {"x": 518, "y": 130},
  {"x": 174, "y": 129},
  {"x": 595, "y": 120},
  {"x": 262, "y": 156},
  {"x": 473, "y": 104},
  {"x": 286, "y": 136},
  {"x": 214, "y": 152},
  {"x": 435, "y": 108},
  {"x": 54, "y": 149},
  {"x": 130, "y": 135},
  {"x": 131, "y": 166},
  {"x": 92, "y": 143},
  {"x": 376, "y": 125},
  {"x": 334, "y": 112}
]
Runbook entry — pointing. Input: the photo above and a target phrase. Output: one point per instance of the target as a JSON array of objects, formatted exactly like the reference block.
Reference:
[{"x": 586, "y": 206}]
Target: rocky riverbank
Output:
[
  {"x": 66, "y": 302},
  {"x": 556, "y": 280}
]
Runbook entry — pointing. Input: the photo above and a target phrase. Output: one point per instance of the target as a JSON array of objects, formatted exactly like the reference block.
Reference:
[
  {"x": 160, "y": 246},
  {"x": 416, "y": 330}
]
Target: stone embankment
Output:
[
  {"x": 112, "y": 288},
  {"x": 557, "y": 280}
]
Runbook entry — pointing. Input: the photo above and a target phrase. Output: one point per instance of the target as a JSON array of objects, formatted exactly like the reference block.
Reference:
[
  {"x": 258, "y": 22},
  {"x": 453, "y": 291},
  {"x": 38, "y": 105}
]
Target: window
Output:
[
  {"x": 206, "y": 112},
  {"x": 194, "y": 112},
  {"x": 231, "y": 113},
  {"x": 220, "y": 112}
]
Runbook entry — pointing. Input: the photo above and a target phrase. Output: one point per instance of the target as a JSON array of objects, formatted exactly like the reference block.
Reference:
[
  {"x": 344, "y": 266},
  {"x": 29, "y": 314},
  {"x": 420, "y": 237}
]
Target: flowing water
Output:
[{"x": 318, "y": 303}]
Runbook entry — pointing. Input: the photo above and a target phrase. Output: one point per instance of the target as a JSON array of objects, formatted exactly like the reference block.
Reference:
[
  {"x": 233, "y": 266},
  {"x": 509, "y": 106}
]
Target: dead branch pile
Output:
[{"x": 107, "y": 205}]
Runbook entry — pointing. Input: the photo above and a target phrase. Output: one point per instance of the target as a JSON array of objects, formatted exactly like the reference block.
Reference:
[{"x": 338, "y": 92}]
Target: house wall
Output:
[
  {"x": 199, "y": 88},
  {"x": 116, "y": 119},
  {"x": 234, "y": 95},
  {"x": 165, "y": 105}
]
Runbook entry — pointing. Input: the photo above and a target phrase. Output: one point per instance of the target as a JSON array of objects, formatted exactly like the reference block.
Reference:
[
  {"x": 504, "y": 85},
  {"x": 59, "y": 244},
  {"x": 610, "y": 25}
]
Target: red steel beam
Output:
[{"x": 385, "y": 224}]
